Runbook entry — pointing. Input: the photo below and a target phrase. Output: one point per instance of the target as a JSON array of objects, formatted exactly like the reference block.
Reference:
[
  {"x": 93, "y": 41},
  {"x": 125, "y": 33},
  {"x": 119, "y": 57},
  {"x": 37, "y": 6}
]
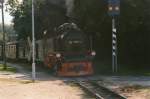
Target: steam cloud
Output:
[{"x": 70, "y": 5}]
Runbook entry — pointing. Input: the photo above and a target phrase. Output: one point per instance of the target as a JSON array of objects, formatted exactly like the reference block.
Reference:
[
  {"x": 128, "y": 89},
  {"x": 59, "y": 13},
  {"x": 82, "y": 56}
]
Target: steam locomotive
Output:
[
  {"x": 72, "y": 55},
  {"x": 68, "y": 53}
]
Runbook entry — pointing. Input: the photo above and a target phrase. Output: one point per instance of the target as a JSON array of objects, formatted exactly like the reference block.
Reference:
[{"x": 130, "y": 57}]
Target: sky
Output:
[{"x": 7, "y": 17}]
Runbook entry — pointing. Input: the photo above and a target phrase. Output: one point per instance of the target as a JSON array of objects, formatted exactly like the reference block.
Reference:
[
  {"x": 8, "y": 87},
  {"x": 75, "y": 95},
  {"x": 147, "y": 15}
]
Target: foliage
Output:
[
  {"x": 47, "y": 17},
  {"x": 8, "y": 30},
  {"x": 9, "y": 69},
  {"x": 133, "y": 28},
  {"x": 134, "y": 31},
  {"x": 21, "y": 18}
]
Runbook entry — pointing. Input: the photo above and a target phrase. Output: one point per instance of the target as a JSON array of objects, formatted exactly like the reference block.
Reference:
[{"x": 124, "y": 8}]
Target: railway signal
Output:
[
  {"x": 113, "y": 11},
  {"x": 113, "y": 7}
]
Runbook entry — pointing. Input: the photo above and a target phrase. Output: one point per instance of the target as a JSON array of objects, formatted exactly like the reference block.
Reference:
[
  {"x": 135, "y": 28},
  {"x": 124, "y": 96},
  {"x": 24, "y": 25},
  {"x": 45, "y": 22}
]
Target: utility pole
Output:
[
  {"x": 33, "y": 44},
  {"x": 3, "y": 31},
  {"x": 113, "y": 11}
]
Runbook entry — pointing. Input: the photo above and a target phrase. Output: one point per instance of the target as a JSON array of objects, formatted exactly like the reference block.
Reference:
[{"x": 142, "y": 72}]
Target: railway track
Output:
[{"x": 98, "y": 91}]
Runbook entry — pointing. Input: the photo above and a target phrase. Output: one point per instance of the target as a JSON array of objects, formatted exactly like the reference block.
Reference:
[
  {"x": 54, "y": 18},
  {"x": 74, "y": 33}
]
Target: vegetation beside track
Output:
[
  {"x": 27, "y": 66},
  {"x": 105, "y": 68},
  {"x": 134, "y": 88},
  {"x": 9, "y": 68}
]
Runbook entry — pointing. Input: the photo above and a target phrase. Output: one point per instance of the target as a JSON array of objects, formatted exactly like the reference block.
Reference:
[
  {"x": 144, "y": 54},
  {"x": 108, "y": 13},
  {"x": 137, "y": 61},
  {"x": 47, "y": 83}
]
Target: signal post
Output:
[{"x": 114, "y": 11}]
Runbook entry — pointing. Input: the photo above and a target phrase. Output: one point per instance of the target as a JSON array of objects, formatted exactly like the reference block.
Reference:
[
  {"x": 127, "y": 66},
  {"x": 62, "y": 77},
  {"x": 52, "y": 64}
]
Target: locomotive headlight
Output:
[
  {"x": 117, "y": 8},
  {"x": 110, "y": 8},
  {"x": 58, "y": 55},
  {"x": 93, "y": 53}
]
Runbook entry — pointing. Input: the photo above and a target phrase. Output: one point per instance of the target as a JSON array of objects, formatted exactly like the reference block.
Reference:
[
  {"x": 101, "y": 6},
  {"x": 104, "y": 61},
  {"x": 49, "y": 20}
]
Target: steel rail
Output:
[{"x": 98, "y": 91}]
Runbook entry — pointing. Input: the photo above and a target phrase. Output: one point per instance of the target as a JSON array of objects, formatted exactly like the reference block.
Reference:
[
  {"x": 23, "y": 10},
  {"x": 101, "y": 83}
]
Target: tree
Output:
[
  {"x": 134, "y": 31},
  {"x": 47, "y": 17},
  {"x": 10, "y": 33},
  {"x": 91, "y": 16},
  {"x": 133, "y": 25},
  {"x": 21, "y": 18}
]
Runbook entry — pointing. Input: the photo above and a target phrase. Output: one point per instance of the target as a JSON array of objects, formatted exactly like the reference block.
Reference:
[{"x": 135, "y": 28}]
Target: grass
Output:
[
  {"x": 133, "y": 88},
  {"x": 9, "y": 68},
  {"x": 28, "y": 82}
]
